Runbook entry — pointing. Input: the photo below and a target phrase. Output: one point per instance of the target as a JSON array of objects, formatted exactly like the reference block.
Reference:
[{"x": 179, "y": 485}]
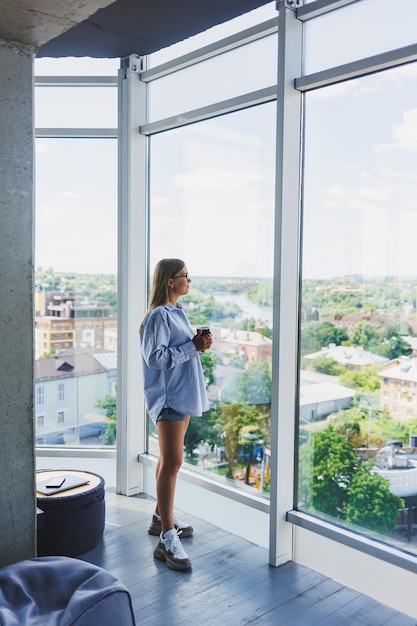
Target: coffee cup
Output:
[{"x": 204, "y": 330}]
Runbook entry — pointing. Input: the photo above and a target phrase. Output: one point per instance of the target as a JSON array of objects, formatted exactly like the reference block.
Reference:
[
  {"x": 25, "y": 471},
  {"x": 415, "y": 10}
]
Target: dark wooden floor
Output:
[{"x": 230, "y": 582}]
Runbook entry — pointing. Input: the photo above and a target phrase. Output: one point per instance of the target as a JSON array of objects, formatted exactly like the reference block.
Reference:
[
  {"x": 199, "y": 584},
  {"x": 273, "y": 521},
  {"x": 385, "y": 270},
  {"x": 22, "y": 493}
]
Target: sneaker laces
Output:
[{"x": 176, "y": 543}]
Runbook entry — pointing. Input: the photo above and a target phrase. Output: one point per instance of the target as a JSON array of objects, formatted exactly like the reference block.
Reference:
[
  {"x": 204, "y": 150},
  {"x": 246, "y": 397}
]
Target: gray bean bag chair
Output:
[{"x": 52, "y": 591}]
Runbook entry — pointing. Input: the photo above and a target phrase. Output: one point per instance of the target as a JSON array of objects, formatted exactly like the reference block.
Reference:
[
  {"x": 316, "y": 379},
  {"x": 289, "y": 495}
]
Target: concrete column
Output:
[{"x": 17, "y": 455}]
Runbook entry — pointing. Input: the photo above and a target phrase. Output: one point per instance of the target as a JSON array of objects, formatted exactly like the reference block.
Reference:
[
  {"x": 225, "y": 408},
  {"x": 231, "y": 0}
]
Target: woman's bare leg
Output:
[
  {"x": 171, "y": 449},
  {"x": 158, "y": 464}
]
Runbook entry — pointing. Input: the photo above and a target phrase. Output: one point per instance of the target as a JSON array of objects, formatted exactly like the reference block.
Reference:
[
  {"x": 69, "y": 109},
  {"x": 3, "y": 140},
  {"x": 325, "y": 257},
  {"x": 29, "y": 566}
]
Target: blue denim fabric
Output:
[{"x": 169, "y": 415}]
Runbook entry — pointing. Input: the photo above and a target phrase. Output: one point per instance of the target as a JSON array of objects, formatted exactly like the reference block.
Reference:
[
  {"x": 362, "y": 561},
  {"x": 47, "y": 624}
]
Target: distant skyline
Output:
[{"x": 357, "y": 279}]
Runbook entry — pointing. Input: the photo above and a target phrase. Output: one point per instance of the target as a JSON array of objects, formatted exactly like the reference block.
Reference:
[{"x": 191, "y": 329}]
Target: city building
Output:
[
  {"x": 309, "y": 314},
  {"x": 348, "y": 322},
  {"x": 67, "y": 388},
  {"x": 398, "y": 388},
  {"x": 322, "y": 395},
  {"x": 399, "y": 467},
  {"x": 53, "y": 334},
  {"x": 351, "y": 357},
  {"x": 249, "y": 345},
  {"x": 65, "y": 320}
]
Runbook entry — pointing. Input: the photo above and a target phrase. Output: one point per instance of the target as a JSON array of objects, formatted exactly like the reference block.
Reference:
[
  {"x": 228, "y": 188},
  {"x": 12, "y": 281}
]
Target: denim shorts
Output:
[{"x": 168, "y": 414}]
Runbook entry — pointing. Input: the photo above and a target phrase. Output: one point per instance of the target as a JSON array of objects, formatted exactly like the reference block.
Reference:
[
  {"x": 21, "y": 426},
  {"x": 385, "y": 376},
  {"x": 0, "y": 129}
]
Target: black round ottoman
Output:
[{"x": 73, "y": 520}]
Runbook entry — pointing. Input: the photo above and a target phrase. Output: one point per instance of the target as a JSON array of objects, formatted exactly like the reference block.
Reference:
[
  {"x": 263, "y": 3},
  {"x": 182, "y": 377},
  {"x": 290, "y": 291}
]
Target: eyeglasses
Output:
[{"x": 187, "y": 276}]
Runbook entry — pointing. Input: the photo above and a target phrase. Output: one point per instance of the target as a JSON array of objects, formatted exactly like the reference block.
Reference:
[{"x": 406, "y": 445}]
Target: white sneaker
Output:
[
  {"x": 170, "y": 550},
  {"x": 155, "y": 528}
]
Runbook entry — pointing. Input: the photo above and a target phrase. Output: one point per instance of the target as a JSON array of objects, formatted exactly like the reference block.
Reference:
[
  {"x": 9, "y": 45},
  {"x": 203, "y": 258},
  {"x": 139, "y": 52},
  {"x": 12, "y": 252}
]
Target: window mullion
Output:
[{"x": 286, "y": 279}]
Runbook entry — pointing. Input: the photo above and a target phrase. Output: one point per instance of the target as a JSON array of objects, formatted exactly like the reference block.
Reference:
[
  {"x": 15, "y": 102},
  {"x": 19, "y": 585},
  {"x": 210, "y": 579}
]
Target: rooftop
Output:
[
  {"x": 244, "y": 337},
  {"x": 75, "y": 362},
  {"x": 347, "y": 355},
  {"x": 404, "y": 368}
]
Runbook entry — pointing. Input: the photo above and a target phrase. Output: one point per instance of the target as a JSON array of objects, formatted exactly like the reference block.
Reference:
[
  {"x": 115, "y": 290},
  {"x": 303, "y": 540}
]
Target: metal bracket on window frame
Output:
[
  {"x": 134, "y": 63},
  {"x": 292, "y": 4}
]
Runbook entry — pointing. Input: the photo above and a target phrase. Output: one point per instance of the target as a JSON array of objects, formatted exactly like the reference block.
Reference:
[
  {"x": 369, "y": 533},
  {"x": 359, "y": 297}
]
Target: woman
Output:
[{"x": 174, "y": 389}]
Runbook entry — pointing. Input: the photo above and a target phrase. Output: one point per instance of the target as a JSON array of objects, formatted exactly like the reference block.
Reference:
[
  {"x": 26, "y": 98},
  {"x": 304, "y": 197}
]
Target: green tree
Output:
[
  {"x": 364, "y": 379},
  {"x": 201, "y": 430},
  {"x": 394, "y": 347},
  {"x": 109, "y": 297},
  {"x": 328, "y": 366},
  {"x": 249, "y": 323},
  {"x": 366, "y": 335},
  {"x": 109, "y": 403},
  {"x": 48, "y": 354},
  {"x": 208, "y": 362},
  {"x": 261, "y": 293},
  {"x": 326, "y": 467},
  {"x": 250, "y": 386},
  {"x": 371, "y": 503},
  {"x": 317, "y": 336},
  {"x": 203, "y": 310},
  {"x": 232, "y": 417}
]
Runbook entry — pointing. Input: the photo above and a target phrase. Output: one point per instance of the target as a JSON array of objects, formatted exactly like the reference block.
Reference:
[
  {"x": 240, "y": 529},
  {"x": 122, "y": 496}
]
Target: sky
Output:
[
  {"x": 207, "y": 181},
  {"x": 360, "y": 204},
  {"x": 212, "y": 183}
]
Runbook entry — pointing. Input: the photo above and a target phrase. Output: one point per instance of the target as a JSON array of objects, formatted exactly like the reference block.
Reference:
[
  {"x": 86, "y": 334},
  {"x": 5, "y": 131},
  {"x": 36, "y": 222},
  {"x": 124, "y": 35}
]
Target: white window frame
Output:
[
  {"x": 133, "y": 287},
  {"x": 40, "y": 395},
  {"x": 310, "y": 528},
  {"x": 77, "y": 133},
  {"x": 61, "y": 392}
]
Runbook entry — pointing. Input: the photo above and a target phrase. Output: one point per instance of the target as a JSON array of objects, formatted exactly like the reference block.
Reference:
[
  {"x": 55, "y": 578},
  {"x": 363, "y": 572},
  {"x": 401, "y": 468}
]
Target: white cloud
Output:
[
  {"x": 217, "y": 133},
  {"x": 404, "y": 135},
  {"x": 68, "y": 194},
  {"x": 334, "y": 91},
  {"x": 48, "y": 215},
  {"x": 213, "y": 179},
  {"x": 44, "y": 146},
  {"x": 384, "y": 147},
  {"x": 161, "y": 201}
]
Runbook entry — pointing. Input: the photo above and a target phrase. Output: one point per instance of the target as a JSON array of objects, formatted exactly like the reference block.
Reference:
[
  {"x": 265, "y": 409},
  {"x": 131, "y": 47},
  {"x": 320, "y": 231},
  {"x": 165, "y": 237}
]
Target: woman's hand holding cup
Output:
[{"x": 203, "y": 339}]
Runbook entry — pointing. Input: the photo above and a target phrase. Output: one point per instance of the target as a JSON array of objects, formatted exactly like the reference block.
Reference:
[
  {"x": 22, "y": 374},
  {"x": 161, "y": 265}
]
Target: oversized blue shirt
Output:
[{"x": 172, "y": 371}]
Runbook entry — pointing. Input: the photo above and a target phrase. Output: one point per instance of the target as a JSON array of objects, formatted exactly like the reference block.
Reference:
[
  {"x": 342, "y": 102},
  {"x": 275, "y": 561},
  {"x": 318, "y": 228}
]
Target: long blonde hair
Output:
[{"x": 164, "y": 270}]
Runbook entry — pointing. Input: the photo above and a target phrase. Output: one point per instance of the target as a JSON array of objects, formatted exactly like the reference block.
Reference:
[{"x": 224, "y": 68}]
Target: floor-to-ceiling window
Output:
[
  {"x": 209, "y": 182},
  {"x": 76, "y": 253},
  {"x": 358, "y": 316},
  {"x": 212, "y": 204}
]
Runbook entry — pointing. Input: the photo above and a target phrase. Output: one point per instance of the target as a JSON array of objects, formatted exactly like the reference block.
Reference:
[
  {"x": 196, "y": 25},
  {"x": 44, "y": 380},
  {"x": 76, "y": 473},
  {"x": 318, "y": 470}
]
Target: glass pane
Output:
[
  {"x": 245, "y": 69},
  {"x": 72, "y": 66},
  {"x": 247, "y": 20},
  {"x": 375, "y": 26},
  {"x": 76, "y": 107},
  {"x": 212, "y": 204},
  {"x": 75, "y": 298},
  {"x": 358, "y": 407}
]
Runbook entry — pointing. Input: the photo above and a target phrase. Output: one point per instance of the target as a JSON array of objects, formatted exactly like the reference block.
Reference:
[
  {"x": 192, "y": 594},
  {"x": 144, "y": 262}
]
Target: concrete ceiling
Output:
[
  {"x": 104, "y": 28},
  {"x": 35, "y": 22}
]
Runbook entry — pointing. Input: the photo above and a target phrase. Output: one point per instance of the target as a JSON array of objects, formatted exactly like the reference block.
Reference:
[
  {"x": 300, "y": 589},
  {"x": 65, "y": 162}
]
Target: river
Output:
[{"x": 249, "y": 309}]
